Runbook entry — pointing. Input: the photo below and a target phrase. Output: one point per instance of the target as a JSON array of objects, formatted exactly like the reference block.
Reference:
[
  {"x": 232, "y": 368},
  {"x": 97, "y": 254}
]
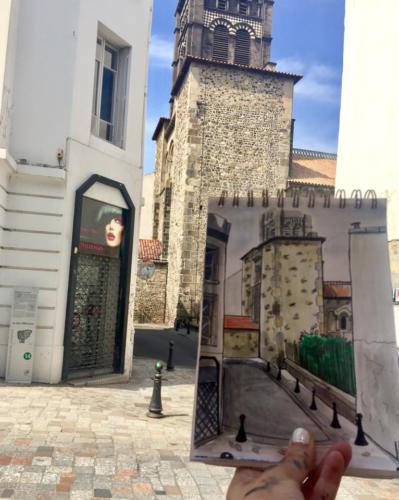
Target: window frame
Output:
[{"x": 115, "y": 130}]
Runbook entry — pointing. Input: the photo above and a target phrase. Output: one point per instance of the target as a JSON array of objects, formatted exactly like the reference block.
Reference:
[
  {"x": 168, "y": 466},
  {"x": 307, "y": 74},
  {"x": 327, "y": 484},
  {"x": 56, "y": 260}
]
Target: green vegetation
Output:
[{"x": 330, "y": 359}]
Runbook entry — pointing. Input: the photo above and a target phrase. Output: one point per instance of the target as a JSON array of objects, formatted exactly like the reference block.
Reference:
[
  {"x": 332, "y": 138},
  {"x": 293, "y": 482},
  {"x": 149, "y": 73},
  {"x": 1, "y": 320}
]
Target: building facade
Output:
[
  {"x": 230, "y": 129},
  {"x": 72, "y": 94},
  {"x": 366, "y": 145}
]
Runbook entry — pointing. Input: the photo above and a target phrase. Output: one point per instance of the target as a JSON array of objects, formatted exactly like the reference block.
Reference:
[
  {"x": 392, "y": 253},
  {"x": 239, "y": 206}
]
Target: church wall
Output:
[
  {"x": 238, "y": 139},
  {"x": 291, "y": 295}
]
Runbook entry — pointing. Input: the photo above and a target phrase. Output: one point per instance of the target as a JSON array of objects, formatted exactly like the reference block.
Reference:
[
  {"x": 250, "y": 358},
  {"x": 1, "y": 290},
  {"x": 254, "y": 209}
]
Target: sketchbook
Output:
[{"x": 297, "y": 330}]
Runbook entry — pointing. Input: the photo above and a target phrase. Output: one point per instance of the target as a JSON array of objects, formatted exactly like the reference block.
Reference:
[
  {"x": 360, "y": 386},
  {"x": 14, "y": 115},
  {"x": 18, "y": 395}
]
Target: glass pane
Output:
[
  {"x": 107, "y": 95},
  {"x": 110, "y": 57},
  {"x": 95, "y": 92}
]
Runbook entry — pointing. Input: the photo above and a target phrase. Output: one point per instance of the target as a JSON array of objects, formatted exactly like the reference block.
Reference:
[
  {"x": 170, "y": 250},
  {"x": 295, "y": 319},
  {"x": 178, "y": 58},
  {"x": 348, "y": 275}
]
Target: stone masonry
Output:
[{"x": 231, "y": 132}]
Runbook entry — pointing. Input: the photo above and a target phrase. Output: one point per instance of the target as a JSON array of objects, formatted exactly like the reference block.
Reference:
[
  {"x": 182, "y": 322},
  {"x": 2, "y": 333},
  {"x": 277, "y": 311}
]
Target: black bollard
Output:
[
  {"x": 177, "y": 324},
  {"x": 155, "y": 408},
  {"x": 335, "y": 422},
  {"x": 279, "y": 373},
  {"x": 268, "y": 366},
  {"x": 297, "y": 388},
  {"x": 242, "y": 435},
  {"x": 169, "y": 365},
  {"x": 313, "y": 405},
  {"x": 188, "y": 326},
  {"x": 360, "y": 438}
]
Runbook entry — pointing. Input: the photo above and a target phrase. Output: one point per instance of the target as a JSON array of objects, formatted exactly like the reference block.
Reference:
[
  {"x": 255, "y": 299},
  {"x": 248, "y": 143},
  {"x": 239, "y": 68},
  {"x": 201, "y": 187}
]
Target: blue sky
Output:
[{"x": 307, "y": 39}]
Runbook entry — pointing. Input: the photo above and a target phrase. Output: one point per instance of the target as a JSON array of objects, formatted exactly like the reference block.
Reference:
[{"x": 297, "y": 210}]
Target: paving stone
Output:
[
  {"x": 102, "y": 493},
  {"x": 114, "y": 447}
]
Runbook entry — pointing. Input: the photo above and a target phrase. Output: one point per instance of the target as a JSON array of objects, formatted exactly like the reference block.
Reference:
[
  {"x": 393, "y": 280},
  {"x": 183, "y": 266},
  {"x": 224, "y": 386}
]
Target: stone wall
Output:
[
  {"x": 149, "y": 306},
  {"x": 232, "y": 132},
  {"x": 291, "y": 293}
]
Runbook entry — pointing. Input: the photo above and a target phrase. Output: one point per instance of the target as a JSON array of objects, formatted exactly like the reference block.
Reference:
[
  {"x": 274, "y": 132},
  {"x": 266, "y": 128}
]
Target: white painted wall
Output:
[
  {"x": 52, "y": 95},
  {"x": 376, "y": 360},
  {"x": 147, "y": 210},
  {"x": 369, "y": 123}
]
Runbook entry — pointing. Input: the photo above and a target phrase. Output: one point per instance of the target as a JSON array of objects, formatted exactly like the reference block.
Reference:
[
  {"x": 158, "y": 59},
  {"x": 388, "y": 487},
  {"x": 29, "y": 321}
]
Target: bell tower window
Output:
[
  {"x": 221, "y": 44},
  {"x": 243, "y": 7},
  {"x": 242, "y": 49},
  {"x": 222, "y": 4}
]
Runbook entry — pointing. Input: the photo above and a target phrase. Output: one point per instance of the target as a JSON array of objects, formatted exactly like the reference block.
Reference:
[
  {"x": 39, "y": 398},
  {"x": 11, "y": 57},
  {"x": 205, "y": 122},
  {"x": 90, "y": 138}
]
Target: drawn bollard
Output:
[
  {"x": 313, "y": 405},
  {"x": 242, "y": 435},
  {"x": 279, "y": 373},
  {"x": 335, "y": 422},
  {"x": 361, "y": 437},
  {"x": 155, "y": 408},
  {"x": 297, "y": 388},
  {"x": 170, "y": 367},
  {"x": 268, "y": 367}
]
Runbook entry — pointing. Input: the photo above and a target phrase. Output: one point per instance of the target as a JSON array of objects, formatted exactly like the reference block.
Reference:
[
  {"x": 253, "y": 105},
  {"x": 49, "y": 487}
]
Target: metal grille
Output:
[
  {"x": 242, "y": 50},
  {"x": 207, "y": 410},
  {"x": 96, "y": 338},
  {"x": 221, "y": 44}
]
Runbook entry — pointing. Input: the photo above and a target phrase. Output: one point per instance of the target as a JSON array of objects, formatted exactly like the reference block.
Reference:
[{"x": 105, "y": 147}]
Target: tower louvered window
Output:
[
  {"x": 221, "y": 44},
  {"x": 243, "y": 8},
  {"x": 242, "y": 50},
  {"x": 222, "y": 4}
]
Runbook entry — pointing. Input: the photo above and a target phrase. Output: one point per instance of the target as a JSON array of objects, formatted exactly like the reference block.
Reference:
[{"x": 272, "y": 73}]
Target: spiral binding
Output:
[{"x": 282, "y": 199}]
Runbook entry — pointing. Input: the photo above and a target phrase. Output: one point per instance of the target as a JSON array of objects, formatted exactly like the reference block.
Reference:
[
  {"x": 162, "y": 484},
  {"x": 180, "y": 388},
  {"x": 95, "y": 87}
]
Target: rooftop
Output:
[
  {"x": 240, "y": 323},
  {"x": 312, "y": 168},
  {"x": 150, "y": 250},
  {"x": 337, "y": 289}
]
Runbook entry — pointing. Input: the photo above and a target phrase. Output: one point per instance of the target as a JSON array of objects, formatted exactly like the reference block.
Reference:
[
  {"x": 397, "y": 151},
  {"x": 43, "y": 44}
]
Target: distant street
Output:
[{"x": 154, "y": 344}]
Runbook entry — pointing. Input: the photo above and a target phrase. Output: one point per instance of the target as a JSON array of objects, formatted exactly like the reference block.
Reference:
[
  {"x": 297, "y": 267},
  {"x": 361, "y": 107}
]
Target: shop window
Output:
[
  {"x": 211, "y": 264},
  {"x": 209, "y": 311},
  {"x": 110, "y": 92}
]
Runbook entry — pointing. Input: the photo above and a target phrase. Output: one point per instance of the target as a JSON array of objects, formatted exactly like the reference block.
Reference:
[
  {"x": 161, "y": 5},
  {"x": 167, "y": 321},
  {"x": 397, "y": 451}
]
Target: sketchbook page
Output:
[{"x": 297, "y": 330}]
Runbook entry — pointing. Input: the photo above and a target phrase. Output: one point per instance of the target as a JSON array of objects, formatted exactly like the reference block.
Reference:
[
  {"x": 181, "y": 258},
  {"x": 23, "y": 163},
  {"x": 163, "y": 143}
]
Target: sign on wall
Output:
[
  {"x": 21, "y": 340},
  {"x": 102, "y": 229}
]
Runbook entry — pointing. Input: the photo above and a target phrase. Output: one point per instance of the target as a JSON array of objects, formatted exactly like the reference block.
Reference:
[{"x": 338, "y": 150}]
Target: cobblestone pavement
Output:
[{"x": 96, "y": 442}]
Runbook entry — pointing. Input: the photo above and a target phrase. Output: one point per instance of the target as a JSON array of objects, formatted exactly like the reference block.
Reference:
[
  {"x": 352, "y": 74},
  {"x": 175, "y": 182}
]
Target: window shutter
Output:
[
  {"x": 221, "y": 43},
  {"x": 121, "y": 98},
  {"x": 242, "y": 50}
]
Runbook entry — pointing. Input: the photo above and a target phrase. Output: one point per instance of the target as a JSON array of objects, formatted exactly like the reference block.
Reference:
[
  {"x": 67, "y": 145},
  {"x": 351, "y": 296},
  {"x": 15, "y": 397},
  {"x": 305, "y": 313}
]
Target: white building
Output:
[
  {"x": 72, "y": 93},
  {"x": 369, "y": 122}
]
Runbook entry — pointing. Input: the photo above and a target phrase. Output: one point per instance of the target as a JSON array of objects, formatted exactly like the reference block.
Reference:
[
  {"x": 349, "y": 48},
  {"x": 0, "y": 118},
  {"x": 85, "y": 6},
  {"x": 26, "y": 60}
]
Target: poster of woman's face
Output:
[{"x": 102, "y": 228}]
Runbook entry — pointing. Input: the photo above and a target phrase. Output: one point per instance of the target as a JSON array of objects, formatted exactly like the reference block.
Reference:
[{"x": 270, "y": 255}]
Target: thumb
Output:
[{"x": 300, "y": 457}]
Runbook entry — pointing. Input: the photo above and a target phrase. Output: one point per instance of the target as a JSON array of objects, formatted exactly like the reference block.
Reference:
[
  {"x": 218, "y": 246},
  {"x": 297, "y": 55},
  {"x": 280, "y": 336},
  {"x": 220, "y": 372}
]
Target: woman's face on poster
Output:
[{"x": 114, "y": 232}]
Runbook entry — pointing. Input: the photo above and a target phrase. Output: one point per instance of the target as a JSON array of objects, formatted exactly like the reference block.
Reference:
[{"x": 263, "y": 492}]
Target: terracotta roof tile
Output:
[
  {"x": 337, "y": 289},
  {"x": 150, "y": 250},
  {"x": 240, "y": 323},
  {"x": 313, "y": 167}
]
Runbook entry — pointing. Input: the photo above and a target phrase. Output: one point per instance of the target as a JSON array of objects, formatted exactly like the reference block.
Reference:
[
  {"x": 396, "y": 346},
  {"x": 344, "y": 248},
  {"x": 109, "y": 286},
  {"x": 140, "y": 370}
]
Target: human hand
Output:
[{"x": 285, "y": 481}]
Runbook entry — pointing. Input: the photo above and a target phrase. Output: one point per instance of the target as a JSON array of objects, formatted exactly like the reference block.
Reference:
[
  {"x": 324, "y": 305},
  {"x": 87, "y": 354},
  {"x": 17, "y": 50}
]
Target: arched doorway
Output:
[{"x": 99, "y": 280}]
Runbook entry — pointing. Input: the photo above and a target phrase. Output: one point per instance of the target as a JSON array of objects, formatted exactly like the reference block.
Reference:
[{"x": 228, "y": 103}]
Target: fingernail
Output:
[{"x": 301, "y": 436}]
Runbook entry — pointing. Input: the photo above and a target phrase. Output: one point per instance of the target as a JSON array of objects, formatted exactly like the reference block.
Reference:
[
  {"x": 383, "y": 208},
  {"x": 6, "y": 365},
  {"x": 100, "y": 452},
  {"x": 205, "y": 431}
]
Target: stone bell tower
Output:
[{"x": 229, "y": 130}]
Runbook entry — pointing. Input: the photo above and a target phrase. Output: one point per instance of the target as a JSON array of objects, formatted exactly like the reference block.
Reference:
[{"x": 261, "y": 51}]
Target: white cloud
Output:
[
  {"x": 161, "y": 52},
  {"x": 319, "y": 83}
]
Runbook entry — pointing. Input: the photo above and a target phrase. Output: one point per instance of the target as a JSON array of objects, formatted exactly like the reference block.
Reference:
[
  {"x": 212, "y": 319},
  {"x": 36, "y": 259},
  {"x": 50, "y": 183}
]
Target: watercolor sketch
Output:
[{"x": 297, "y": 329}]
